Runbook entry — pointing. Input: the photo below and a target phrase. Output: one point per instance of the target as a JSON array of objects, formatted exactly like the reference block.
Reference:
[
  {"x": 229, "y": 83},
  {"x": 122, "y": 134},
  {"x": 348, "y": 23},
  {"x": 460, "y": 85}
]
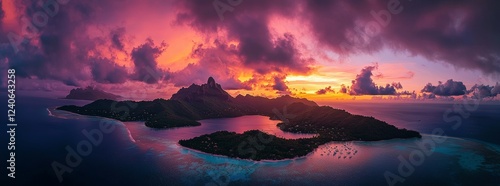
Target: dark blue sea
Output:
[{"x": 461, "y": 147}]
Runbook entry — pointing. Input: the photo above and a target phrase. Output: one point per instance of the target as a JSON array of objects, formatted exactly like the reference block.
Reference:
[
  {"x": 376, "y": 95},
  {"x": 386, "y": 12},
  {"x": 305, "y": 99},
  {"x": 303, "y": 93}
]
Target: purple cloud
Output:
[
  {"x": 257, "y": 47},
  {"x": 145, "y": 65},
  {"x": 449, "y": 88},
  {"x": 108, "y": 72},
  {"x": 364, "y": 85},
  {"x": 484, "y": 91},
  {"x": 325, "y": 90}
]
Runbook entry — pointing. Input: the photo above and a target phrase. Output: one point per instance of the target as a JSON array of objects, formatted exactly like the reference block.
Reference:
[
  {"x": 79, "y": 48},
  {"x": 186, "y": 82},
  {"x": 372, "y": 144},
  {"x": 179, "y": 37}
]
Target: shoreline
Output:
[
  {"x": 199, "y": 153},
  {"x": 51, "y": 110}
]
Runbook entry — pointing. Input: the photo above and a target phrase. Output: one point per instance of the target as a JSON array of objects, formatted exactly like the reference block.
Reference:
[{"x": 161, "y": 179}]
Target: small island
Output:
[
  {"x": 330, "y": 124},
  {"x": 90, "y": 93},
  {"x": 253, "y": 144},
  {"x": 208, "y": 101}
]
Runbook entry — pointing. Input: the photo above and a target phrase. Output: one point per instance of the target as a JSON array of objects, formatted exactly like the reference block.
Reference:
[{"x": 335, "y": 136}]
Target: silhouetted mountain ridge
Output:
[
  {"x": 265, "y": 106},
  {"x": 197, "y": 93},
  {"x": 209, "y": 100},
  {"x": 90, "y": 93}
]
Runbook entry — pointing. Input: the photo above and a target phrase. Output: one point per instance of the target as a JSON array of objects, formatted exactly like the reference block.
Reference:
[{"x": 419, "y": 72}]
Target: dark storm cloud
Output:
[
  {"x": 364, "y": 85},
  {"x": 397, "y": 85},
  {"x": 203, "y": 16},
  {"x": 117, "y": 37},
  {"x": 60, "y": 49},
  {"x": 325, "y": 90},
  {"x": 249, "y": 26},
  {"x": 333, "y": 23},
  {"x": 106, "y": 71},
  {"x": 279, "y": 84},
  {"x": 462, "y": 33},
  {"x": 145, "y": 65},
  {"x": 496, "y": 89},
  {"x": 214, "y": 61},
  {"x": 343, "y": 89},
  {"x": 449, "y": 88},
  {"x": 2, "y": 13},
  {"x": 61, "y": 52},
  {"x": 429, "y": 96},
  {"x": 484, "y": 91},
  {"x": 258, "y": 48}
]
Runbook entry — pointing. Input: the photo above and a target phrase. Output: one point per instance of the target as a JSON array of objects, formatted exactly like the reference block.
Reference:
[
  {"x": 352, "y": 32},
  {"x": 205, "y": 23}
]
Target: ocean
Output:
[{"x": 460, "y": 146}]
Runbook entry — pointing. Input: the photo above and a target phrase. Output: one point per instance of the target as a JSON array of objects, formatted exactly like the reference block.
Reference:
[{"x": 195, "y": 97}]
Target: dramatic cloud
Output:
[
  {"x": 146, "y": 67},
  {"x": 100, "y": 41},
  {"x": 484, "y": 91},
  {"x": 496, "y": 89},
  {"x": 106, "y": 71},
  {"x": 364, "y": 85},
  {"x": 218, "y": 61},
  {"x": 2, "y": 13},
  {"x": 397, "y": 85},
  {"x": 117, "y": 38},
  {"x": 325, "y": 90},
  {"x": 62, "y": 48},
  {"x": 279, "y": 84},
  {"x": 333, "y": 23},
  {"x": 428, "y": 96},
  {"x": 343, "y": 89},
  {"x": 58, "y": 51},
  {"x": 449, "y": 88},
  {"x": 257, "y": 47},
  {"x": 450, "y": 31}
]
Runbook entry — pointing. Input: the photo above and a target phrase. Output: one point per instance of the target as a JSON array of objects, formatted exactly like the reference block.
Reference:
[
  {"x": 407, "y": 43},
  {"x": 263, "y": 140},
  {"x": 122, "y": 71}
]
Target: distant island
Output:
[
  {"x": 90, "y": 93},
  {"x": 208, "y": 101}
]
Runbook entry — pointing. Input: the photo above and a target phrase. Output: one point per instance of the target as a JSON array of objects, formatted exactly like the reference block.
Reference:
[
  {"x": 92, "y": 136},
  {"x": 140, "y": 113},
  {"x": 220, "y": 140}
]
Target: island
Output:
[
  {"x": 253, "y": 144},
  {"x": 90, "y": 93},
  {"x": 208, "y": 101}
]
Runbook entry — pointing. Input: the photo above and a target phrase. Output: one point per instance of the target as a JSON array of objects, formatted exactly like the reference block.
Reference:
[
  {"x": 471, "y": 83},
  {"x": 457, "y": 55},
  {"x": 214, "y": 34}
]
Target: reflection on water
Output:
[
  {"x": 238, "y": 124},
  {"x": 455, "y": 161}
]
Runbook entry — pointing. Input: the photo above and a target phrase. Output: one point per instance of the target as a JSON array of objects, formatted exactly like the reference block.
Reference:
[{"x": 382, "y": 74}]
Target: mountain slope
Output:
[
  {"x": 90, "y": 93},
  {"x": 209, "y": 100}
]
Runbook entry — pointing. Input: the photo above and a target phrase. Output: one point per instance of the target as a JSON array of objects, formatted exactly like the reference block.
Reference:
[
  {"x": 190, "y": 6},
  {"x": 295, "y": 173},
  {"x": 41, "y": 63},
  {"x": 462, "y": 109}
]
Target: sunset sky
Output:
[{"x": 149, "y": 49}]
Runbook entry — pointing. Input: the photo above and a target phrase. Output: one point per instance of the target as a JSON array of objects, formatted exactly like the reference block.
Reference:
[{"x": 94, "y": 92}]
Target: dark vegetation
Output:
[{"x": 254, "y": 144}]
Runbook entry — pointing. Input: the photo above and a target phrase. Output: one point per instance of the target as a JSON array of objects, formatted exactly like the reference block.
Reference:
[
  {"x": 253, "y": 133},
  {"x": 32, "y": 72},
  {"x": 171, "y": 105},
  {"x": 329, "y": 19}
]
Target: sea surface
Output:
[{"x": 459, "y": 147}]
